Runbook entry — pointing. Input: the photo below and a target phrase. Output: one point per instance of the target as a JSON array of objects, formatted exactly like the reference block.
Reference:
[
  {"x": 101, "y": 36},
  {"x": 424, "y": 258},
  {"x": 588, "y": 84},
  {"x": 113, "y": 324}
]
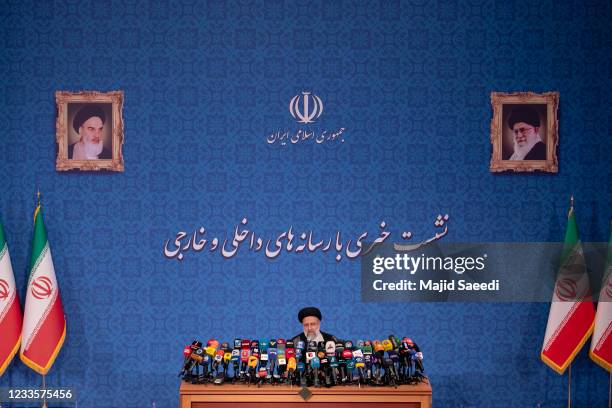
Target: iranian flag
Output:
[
  {"x": 10, "y": 311},
  {"x": 601, "y": 343},
  {"x": 44, "y": 324},
  {"x": 572, "y": 313}
]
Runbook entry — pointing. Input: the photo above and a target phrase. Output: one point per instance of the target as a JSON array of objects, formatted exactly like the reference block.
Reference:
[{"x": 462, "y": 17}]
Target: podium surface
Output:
[{"x": 227, "y": 395}]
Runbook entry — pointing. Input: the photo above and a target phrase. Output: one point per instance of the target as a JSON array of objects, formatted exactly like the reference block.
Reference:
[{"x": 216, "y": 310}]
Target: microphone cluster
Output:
[{"x": 392, "y": 361}]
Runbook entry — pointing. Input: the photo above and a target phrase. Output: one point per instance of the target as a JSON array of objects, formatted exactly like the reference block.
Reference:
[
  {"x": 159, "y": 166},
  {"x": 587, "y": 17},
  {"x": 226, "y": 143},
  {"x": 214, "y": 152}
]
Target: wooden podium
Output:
[{"x": 228, "y": 395}]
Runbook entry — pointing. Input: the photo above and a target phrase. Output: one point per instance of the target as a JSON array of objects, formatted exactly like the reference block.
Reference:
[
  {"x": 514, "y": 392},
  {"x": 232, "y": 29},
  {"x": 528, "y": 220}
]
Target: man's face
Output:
[
  {"x": 91, "y": 130},
  {"x": 311, "y": 325},
  {"x": 524, "y": 133}
]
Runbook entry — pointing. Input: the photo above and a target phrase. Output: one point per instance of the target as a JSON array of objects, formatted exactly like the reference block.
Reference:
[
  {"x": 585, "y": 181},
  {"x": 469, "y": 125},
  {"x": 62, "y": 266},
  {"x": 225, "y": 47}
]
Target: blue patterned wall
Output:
[{"x": 205, "y": 83}]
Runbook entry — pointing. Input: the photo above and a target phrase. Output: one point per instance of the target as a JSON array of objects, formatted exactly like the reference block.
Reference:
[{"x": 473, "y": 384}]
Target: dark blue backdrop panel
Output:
[{"x": 205, "y": 83}]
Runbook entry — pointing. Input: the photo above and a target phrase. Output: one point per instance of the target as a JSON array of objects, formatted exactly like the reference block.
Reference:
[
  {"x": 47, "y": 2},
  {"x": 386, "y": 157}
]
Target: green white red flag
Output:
[
  {"x": 572, "y": 312},
  {"x": 10, "y": 310},
  {"x": 44, "y": 323},
  {"x": 601, "y": 343}
]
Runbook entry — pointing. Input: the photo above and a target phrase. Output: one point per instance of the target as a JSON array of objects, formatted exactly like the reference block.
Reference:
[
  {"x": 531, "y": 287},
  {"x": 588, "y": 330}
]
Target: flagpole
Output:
[
  {"x": 44, "y": 405},
  {"x": 610, "y": 390},
  {"x": 569, "y": 384}
]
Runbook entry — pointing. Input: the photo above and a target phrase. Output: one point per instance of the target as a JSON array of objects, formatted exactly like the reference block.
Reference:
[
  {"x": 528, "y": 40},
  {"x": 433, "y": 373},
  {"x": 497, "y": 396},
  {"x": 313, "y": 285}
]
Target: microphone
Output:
[
  {"x": 333, "y": 364},
  {"x": 227, "y": 356},
  {"x": 405, "y": 361},
  {"x": 418, "y": 358},
  {"x": 254, "y": 353},
  {"x": 291, "y": 366},
  {"x": 281, "y": 344},
  {"x": 187, "y": 353},
  {"x": 311, "y": 353},
  {"x": 341, "y": 361},
  {"x": 395, "y": 359},
  {"x": 235, "y": 359},
  {"x": 347, "y": 357},
  {"x": 390, "y": 376},
  {"x": 387, "y": 345},
  {"x": 218, "y": 359},
  {"x": 330, "y": 354},
  {"x": 263, "y": 348},
  {"x": 330, "y": 348},
  {"x": 187, "y": 361},
  {"x": 310, "y": 356},
  {"x": 350, "y": 366},
  {"x": 281, "y": 365},
  {"x": 200, "y": 359},
  {"x": 368, "y": 366},
  {"x": 263, "y": 373},
  {"x": 299, "y": 350},
  {"x": 255, "y": 348},
  {"x": 412, "y": 360},
  {"x": 252, "y": 368},
  {"x": 245, "y": 353},
  {"x": 415, "y": 346},
  {"x": 325, "y": 369},
  {"x": 379, "y": 353},
  {"x": 301, "y": 369},
  {"x": 395, "y": 341},
  {"x": 360, "y": 364},
  {"x": 263, "y": 360},
  {"x": 272, "y": 359},
  {"x": 367, "y": 356},
  {"x": 272, "y": 353},
  {"x": 211, "y": 351},
  {"x": 315, "y": 364}
]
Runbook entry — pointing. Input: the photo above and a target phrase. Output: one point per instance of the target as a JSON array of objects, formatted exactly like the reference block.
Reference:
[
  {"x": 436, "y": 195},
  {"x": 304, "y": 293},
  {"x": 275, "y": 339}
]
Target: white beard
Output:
[
  {"x": 521, "y": 151},
  {"x": 316, "y": 337},
  {"x": 87, "y": 151}
]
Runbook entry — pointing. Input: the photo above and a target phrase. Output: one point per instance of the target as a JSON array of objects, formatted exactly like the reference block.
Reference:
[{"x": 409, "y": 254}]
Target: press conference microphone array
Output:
[{"x": 392, "y": 361}]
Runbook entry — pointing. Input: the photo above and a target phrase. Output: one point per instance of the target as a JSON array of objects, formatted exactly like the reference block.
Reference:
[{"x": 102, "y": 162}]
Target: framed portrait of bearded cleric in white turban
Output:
[
  {"x": 524, "y": 131},
  {"x": 89, "y": 131}
]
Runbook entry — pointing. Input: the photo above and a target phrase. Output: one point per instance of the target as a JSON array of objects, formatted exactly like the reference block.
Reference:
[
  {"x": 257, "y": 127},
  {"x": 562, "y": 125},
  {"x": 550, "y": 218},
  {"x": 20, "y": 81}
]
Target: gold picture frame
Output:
[
  {"x": 69, "y": 130},
  {"x": 507, "y": 155}
]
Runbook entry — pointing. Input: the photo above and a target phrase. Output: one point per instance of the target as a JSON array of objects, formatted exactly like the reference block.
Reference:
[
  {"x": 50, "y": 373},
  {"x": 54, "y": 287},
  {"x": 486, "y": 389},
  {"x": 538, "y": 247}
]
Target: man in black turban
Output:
[
  {"x": 310, "y": 317},
  {"x": 524, "y": 122},
  {"x": 89, "y": 124}
]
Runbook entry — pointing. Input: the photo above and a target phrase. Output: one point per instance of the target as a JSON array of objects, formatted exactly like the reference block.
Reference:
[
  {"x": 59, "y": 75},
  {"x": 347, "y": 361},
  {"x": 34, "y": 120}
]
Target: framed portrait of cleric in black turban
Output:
[
  {"x": 89, "y": 131},
  {"x": 524, "y": 132}
]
